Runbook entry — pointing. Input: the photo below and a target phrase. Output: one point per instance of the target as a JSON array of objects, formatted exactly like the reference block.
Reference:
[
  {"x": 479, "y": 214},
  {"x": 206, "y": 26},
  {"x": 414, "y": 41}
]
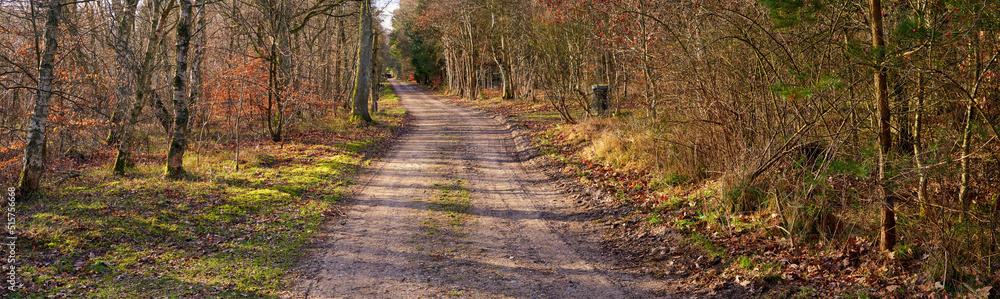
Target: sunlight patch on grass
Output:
[{"x": 224, "y": 232}]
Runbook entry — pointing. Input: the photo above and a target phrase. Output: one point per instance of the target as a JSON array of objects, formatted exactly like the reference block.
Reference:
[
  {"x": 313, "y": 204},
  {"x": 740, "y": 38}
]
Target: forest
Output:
[
  {"x": 772, "y": 148},
  {"x": 826, "y": 121}
]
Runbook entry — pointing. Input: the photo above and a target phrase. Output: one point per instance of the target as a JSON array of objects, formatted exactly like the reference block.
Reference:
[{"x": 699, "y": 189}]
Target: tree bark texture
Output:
[
  {"x": 376, "y": 76},
  {"x": 888, "y": 229},
  {"x": 918, "y": 118},
  {"x": 143, "y": 74},
  {"x": 280, "y": 66},
  {"x": 178, "y": 132},
  {"x": 364, "y": 65},
  {"x": 125, "y": 61},
  {"x": 194, "y": 91},
  {"x": 34, "y": 150}
]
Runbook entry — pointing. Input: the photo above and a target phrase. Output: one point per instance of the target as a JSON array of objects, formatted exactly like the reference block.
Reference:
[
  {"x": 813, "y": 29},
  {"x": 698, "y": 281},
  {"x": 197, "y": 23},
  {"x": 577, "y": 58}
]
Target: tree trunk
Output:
[
  {"x": 126, "y": 73},
  {"x": 364, "y": 65},
  {"x": 194, "y": 92},
  {"x": 282, "y": 66},
  {"x": 976, "y": 57},
  {"x": 508, "y": 87},
  {"x": 162, "y": 114},
  {"x": 470, "y": 72},
  {"x": 178, "y": 136},
  {"x": 963, "y": 190},
  {"x": 34, "y": 150},
  {"x": 125, "y": 61},
  {"x": 904, "y": 139},
  {"x": 502, "y": 63},
  {"x": 143, "y": 73},
  {"x": 337, "y": 62},
  {"x": 272, "y": 115},
  {"x": 918, "y": 118},
  {"x": 375, "y": 75},
  {"x": 888, "y": 230},
  {"x": 341, "y": 65}
]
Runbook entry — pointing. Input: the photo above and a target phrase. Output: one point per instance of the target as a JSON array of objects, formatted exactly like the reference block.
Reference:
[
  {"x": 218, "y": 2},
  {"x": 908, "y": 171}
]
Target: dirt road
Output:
[{"x": 451, "y": 211}]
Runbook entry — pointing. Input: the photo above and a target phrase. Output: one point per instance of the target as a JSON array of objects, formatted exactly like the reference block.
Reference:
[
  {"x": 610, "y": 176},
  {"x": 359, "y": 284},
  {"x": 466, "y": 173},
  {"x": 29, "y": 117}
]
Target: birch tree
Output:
[
  {"x": 178, "y": 131},
  {"x": 143, "y": 73},
  {"x": 34, "y": 151}
]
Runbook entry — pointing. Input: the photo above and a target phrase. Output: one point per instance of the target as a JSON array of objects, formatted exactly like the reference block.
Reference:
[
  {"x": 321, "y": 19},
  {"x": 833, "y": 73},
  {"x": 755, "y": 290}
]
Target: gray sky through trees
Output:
[{"x": 388, "y": 7}]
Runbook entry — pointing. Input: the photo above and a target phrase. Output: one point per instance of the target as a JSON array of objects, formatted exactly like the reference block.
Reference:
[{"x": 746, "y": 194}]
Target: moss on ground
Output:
[{"x": 224, "y": 232}]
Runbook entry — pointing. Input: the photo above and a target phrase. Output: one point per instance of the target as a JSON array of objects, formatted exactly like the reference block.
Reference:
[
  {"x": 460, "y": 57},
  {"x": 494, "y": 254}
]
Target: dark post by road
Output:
[{"x": 599, "y": 102}]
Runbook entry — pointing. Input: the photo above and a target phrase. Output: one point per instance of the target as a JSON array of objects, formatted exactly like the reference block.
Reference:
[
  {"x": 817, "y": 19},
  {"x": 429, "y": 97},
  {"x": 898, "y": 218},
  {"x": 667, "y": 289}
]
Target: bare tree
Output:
[
  {"x": 143, "y": 73},
  {"x": 178, "y": 132},
  {"x": 888, "y": 230},
  {"x": 34, "y": 150},
  {"x": 123, "y": 18}
]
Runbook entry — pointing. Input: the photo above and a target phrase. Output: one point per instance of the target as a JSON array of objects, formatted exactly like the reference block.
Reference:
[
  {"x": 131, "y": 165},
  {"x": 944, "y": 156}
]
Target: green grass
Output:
[
  {"x": 656, "y": 218},
  {"x": 770, "y": 271},
  {"x": 454, "y": 200},
  {"x": 148, "y": 237},
  {"x": 224, "y": 232},
  {"x": 389, "y": 103},
  {"x": 706, "y": 246}
]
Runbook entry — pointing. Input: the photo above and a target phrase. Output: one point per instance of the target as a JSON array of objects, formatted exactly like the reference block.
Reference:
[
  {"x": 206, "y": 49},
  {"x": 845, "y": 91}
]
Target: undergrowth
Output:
[{"x": 808, "y": 222}]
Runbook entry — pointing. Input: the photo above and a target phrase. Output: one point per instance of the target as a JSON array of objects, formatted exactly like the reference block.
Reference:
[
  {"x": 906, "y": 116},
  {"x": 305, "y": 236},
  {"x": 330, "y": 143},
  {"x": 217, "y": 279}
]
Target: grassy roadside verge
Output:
[
  {"x": 225, "y": 232},
  {"x": 670, "y": 226}
]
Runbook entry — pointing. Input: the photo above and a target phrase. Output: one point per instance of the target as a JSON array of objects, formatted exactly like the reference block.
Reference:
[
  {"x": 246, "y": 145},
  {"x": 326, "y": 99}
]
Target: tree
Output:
[
  {"x": 124, "y": 20},
  {"x": 362, "y": 83},
  {"x": 888, "y": 230},
  {"x": 34, "y": 151},
  {"x": 142, "y": 73},
  {"x": 178, "y": 132}
]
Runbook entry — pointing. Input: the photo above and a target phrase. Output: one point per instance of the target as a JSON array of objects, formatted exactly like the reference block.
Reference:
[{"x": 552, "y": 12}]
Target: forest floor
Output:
[
  {"x": 227, "y": 231},
  {"x": 661, "y": 228}
]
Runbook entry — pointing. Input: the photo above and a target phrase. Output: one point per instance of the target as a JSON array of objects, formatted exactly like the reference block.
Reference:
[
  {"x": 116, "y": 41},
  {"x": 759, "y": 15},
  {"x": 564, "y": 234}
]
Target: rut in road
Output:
[{"x": 450, "y": 211}]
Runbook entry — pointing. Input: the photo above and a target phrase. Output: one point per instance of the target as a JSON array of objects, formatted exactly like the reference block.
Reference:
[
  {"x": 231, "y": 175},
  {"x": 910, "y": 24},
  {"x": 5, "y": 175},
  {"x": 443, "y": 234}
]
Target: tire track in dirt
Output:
[{"x": 396, "y": 240}]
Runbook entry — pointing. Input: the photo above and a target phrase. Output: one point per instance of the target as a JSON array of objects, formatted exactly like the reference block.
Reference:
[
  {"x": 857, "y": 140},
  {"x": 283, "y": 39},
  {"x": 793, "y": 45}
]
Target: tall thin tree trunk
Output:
[
  {"x": 194, "y": 91},
  {"x": 975, "y": 56},
  {"x": 161, "y": 111},
  {"x": 375, "y": 75},
  {"x": 34, "y": 151},
  {"x": 125, "y": 60},
  {"x": 904, "y": 141},
  {"x": 178, "y": 136},
  {"x": 508, "y": 86},
  {"x": 272, "y": 88},
  {"x": 449, "y": 66},
  {"x": 341, "y": 65},
  {"x": 651, "y": 91},
  {"x": 918, "y": 118},
  {"x": 364, "y": 65},
  {"x": 143, "y": 73},
  {"x": 888, "y": 230},
  {"x": 337, "y": 72},
  {"x": 498, "y": 57},
  {"x": 282, "y": 66},
  {"x": 470, "y": 71},
  {"x": 126, "y": 73},
  {"x": 963, "y": 190}
]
